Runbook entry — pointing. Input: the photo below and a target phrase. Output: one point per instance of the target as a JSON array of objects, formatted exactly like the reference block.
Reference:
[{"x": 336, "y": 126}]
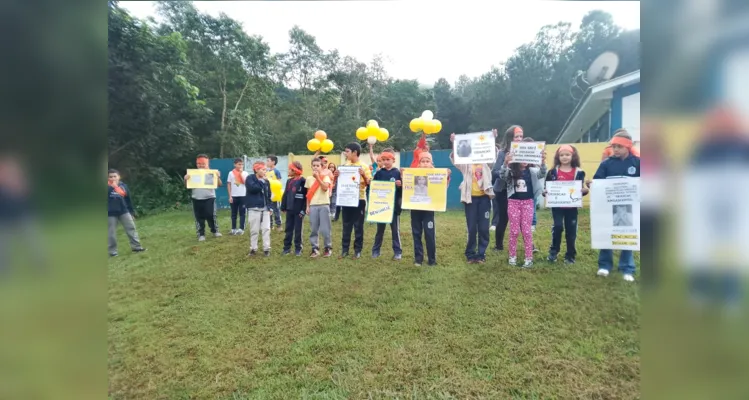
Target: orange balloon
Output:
[{"x": 321, "y": 135}]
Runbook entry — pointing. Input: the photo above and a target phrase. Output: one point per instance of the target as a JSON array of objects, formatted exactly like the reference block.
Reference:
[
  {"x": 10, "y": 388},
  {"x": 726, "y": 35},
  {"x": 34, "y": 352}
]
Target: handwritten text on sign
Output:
[
  {"x": 348, "y": 187},
  {"x": 564, "y": 194},
  {"x": 527, "y": 152},
  {"x": 474, "y": 148}
]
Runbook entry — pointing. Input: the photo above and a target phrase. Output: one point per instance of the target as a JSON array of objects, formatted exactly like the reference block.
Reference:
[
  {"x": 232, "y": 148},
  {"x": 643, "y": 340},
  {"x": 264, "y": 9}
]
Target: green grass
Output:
[{"x": 190, "y": 320}]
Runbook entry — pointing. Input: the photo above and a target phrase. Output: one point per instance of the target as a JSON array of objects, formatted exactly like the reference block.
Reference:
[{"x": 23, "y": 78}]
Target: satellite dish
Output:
[{"x": 602, "y": 68}]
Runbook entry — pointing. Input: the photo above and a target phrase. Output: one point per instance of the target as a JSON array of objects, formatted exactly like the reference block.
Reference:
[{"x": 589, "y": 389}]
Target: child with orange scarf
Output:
[
  {"x": 318, "y": 208},
  {"x": 204, "y": 203},
  {"x": 120, "y": 210},
  {"x": 293, "y": 204}
]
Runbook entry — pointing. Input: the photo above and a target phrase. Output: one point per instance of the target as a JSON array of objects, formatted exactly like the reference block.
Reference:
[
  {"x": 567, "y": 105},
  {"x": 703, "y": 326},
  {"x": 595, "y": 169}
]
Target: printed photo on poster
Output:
[
  {"x": 527, "y": 152},
  {"x": 564, "y": 194},
  {"x": 202, "y": 179},
  {"x": 425, "y": 189},
  {"x": 381, "y": 204},
  {"x": 474, "y": 148},
  {"x": 348, "y": 187},
  {"x": 615, "y": 214}
]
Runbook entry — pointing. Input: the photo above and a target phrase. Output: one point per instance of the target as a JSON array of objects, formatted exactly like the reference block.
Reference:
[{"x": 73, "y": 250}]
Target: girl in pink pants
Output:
[{"x": 521, "y": 181}]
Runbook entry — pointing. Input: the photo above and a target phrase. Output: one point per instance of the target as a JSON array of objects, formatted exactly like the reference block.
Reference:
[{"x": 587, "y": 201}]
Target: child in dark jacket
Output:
[
  {"x": 120, "y": 209},
  {"x": 294, "y": 203},
  {"x": 258, "y": 208},
  {"x": 566, "y": 168}
]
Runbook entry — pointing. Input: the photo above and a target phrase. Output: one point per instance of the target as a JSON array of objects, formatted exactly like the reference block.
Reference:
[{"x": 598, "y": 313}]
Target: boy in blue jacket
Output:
[
  {"x": 120, "y": 209},
  {"x": 258, "y": 206},
  {"x": 621, "y": 164}
]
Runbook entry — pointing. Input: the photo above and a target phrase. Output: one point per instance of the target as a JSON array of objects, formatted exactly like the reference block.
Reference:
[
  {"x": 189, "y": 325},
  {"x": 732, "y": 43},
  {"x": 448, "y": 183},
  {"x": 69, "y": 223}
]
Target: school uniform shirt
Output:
[
  {"x": 295, "y": 196},
  {"x": 321, "y": 197},
  {"x": 117, "y": 204},
  {"x": 237, "y": 189},
  {"x": 616, "y": 167},
  {"x": 258, "y": 193},
  {"x": 391, "y": 175},
  {"x": 367, "y": 173}
]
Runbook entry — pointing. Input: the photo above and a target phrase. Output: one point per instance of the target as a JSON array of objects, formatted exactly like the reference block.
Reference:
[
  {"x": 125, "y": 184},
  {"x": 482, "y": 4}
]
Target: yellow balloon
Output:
[
  {"x": 276, "y": 196},
  {"x": 313, "y": 145},
  {"x": 321, "y": 135},
  {"x": 275, "y": 186},
  {"x": 372, "y": 122},
  {"x": 383, "y": 135},
  {"x": 326, "y": 146},
  {"x": 416, "y": 125},
  {"x": 373, "y": 130},
  {"x": 361, "y": 133},
  {"x": 437, "y": 125},
  {"x": 428, "y": 127}
]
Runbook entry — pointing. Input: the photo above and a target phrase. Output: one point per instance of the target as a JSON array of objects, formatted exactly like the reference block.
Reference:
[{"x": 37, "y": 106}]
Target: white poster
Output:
[
  {"x": 615, "y": 214},
  {"x": 474, "y": 148},
  {"x": 564, "y": 194},
  {"x": 348, "y": 187},
  {"x": 527, "y": 152}
]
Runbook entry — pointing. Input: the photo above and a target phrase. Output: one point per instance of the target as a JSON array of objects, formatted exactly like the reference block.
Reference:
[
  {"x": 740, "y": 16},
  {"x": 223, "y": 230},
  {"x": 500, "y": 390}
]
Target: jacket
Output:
[
  {"x": 615, "y": 166},
  {"x": 118, "y": 205},
  {"x": 465, "y": 187},
  {"x": 499, "y": 184},
  {"x": 258, "y": 193},
  {"x": 295, "y": 196},
  {"x": 537, "y": 175}
]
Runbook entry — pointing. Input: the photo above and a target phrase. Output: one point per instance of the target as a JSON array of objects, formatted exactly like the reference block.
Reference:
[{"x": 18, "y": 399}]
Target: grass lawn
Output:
[{"x": 202, "y": 320}]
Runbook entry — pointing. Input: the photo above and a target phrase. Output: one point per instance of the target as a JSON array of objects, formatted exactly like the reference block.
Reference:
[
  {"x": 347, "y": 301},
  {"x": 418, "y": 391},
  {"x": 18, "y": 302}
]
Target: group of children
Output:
[{"x": 313, "y": 196}]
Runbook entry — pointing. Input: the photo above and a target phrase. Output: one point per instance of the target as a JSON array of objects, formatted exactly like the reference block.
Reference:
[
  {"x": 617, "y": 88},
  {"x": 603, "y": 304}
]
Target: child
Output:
[
  {"x": 120, "y": 209},
  {"x": 293, "y": 204},
  {"x": 353, "y": 217},
  {"x": 318, "y": 209},
  {"x": 566, "y": 168},
  {"x": 621, "y": 163},
  {"x": 538, "y": 191},
  {"x": 387, "y": 173},
  {"x": 476, "y": 192},
  {"x": 500, "y": 219},
  {"x": 259, "y": 212},
  {"x": 204, "y": 203},
  {"x": 522, "y": 181},
  {"x": 273, "y": 173},
  {"x": 236, "y": 189},
  {"x": 335, "y": 212},
  {"x": 423, "y": 221}
]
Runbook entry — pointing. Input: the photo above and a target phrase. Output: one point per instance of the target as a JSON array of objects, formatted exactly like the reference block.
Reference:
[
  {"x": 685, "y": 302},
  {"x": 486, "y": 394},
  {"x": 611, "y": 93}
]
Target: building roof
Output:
[{"x": 593, "y": 106}]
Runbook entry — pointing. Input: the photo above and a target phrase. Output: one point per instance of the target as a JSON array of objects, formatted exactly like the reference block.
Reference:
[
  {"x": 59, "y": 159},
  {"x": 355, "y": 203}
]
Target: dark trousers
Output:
[
  {"x": 276, "y": 214},
  {"x": 238, "y": 207},
  {"x": 565, "y": 220},
  {"x": 294, "y": 224},
  {"x": 477, "y": 219},
  {"x": 423, "y": 221},
  {"x": 205, "y": 210},
  {"x": 337, "y": 213},
  {"x": 394, "y": 232},
  {"x": 500, "y": 218},
  {"x": 353, "y": 219}
]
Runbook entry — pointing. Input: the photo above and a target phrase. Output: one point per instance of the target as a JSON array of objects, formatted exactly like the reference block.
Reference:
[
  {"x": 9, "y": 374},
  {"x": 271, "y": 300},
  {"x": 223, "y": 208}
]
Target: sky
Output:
[{"x": 418, "y": 39}]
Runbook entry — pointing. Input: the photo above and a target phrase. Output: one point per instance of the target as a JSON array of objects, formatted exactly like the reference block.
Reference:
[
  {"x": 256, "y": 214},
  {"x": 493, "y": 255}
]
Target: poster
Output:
[
  {"x": 202, "y": 179},
  {"x": 348, "y": 187},
  {"x": 615, "y": 214},
  {"x": 527, "y": 152},
  {"x": 564, "y": 194},
  {"x": 474, "y": 148},
  {"x": 425, "y": 189},
  {"x": 381, "y": 204}
]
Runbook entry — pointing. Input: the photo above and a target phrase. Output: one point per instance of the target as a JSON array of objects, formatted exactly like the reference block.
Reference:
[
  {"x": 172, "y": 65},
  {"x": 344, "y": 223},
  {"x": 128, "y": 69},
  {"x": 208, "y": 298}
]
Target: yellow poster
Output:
[
  {"x": 425, "y": 189},
  {"x": 202, "y": 179},
  {"x": 381, "y": 204}
]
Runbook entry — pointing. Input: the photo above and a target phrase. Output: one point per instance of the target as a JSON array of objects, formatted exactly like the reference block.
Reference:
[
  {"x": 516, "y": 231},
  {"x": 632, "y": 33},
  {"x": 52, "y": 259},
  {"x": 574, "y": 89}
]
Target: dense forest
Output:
[{"x": 194, "y": 83}]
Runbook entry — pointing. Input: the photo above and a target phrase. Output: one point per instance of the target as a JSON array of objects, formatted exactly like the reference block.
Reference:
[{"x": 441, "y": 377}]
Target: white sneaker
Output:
[
  {"x": 492, "y": 228},
  {"x": 513, "y": 261},
  {"x": 217, "y": 234},
  {"x": 629, "y": 278},
  {"x": 233, "y": 232},
  {"x": 533, "y": 228},
  {"x": 239, "y": 232},
  {"x": 201, "y": 238},
  {"x": 602, "y": 272},
  {"x": 528, "y": 263}
]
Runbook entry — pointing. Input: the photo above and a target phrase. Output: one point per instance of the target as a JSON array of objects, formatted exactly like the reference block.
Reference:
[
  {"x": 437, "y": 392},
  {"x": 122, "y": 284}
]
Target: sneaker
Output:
[
  {"x": 480, "y": 261},
  {"x": 492, "y": 228},
  {"x": 314, "y": 254},
  {"x": 266, "y": 253},
  {"x": 397, "y": 257},
  {"x": 239, "y": 232},
  {"x": 417, "y": 264},
  {"x": 217, "y": 234},
  {"x": 629, "y": 278},
  {"x": 432, "y": 263},
  {"x": 569, "y": 261},
  {"x": 528, "y": 263},
  {"x": 513, "y": 261},
  {"x": 535, "y": 249},
  {"x": 286, "y": 252},
  {"x": 232, "y": 232},
  {"x": 298, "y": 253},
  {"x": 602, "y": 272},
  {"x": 201, "y": 238},
  {"x": 551, "y": 258},
  {"x": 113, "y": 254},
  {"x": 375, "y": 254},
  {"x": 252, "y": 253},
  {"x": 327, "y": 253},
  {"x": 357, "y": 255},
  {"x": 471, "y": 261},
  {"x": 140, "y": 250},
  {"x": 343, "y": 255},
  {"x": 533, "y": 228}
]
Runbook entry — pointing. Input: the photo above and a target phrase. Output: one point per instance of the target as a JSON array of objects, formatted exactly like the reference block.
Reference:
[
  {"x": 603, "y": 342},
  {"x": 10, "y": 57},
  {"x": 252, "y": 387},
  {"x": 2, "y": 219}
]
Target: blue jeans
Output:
[
  {"x": 626, "y": 261},
  {"x": 719, "y": 287}
]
